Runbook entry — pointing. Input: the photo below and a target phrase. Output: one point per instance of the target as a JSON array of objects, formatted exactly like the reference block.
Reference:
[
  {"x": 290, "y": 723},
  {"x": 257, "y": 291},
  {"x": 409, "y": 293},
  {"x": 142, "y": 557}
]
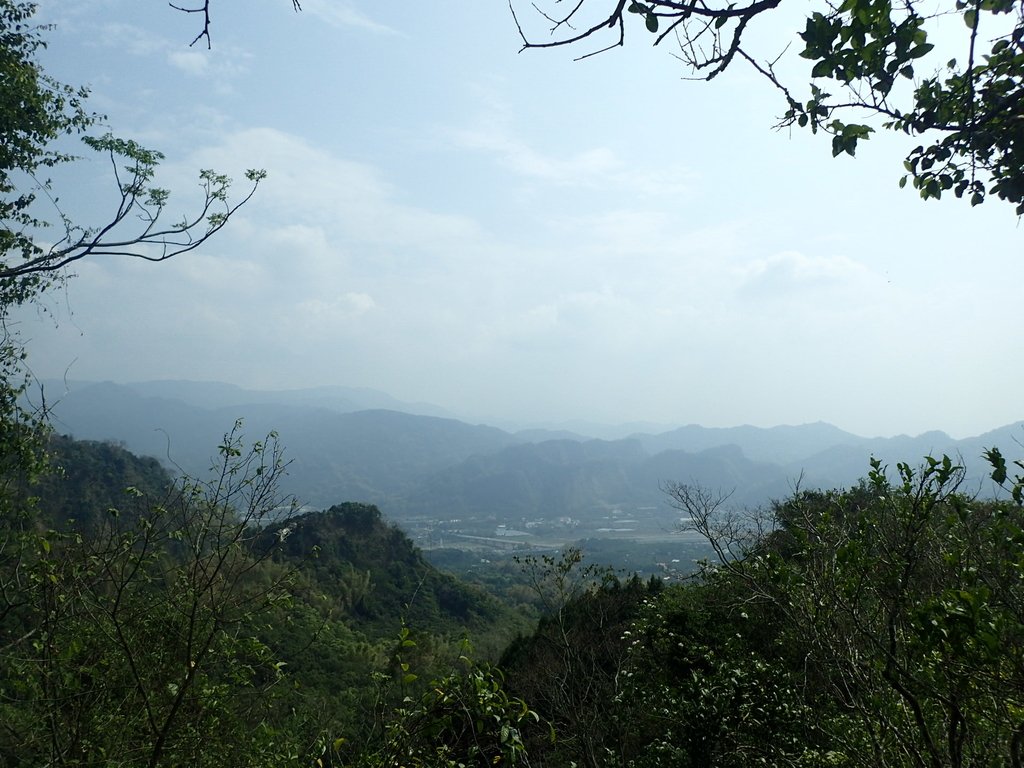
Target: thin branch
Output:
[
  {"x": 205, "y": 32},
  {"x": 172, "y": 241},
  {"x": 205, "y": 10},
  {"x": 614, "y": 19}
]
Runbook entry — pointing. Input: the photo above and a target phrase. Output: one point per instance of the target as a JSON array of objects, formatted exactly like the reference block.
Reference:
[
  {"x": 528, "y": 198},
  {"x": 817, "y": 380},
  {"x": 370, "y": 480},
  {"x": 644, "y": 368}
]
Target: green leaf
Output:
[
  {"x": 995, "y": 459},
  {"x": 971, "y": 18},
  {"x": 822, "y": 69},
  {"x": 652, "y": 22}
]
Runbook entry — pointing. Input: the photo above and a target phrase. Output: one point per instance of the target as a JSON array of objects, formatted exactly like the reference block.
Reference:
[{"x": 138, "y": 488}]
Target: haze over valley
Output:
[{"x": 453, "y": 484}]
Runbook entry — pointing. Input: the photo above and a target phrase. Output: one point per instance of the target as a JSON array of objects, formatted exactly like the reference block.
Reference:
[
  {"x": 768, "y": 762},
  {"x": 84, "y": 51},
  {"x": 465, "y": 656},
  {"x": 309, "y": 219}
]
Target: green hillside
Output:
[
  {"x": 372, "y": 575},
  {"x": 159, "y": 621},
  {"x": 184, "y": 620}
]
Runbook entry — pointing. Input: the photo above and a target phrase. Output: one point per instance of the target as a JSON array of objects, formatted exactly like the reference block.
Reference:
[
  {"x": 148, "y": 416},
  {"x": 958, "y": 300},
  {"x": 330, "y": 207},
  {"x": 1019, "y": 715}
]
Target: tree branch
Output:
[
  {"x": 204, "y": 9},
  {"x": 147, "y": 203}
]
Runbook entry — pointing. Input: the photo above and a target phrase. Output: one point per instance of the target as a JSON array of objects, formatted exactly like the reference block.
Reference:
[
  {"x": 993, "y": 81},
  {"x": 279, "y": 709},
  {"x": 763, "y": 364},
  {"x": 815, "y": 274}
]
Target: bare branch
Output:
[
  {"x": 677, "y": 13},
  {"x": 615, "y": 19},
  {"x": 204, "y": 9}
]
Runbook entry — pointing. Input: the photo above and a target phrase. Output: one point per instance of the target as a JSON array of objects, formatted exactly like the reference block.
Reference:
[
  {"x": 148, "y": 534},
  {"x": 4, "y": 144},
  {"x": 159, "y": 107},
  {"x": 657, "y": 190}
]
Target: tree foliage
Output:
[
  {"x": 131, "y": 640},
  {"x": 888, "y": 619},
  {"x": 39, "y": 117},
  {"x": 952, "y": 74},
  {"x": 123, "y": 636},
  {"x": 294, "y": 646},
  {"x": 878, "y": 625},
  {"x": 465, "y": 717},
  {"x": 571, "y": 667}
]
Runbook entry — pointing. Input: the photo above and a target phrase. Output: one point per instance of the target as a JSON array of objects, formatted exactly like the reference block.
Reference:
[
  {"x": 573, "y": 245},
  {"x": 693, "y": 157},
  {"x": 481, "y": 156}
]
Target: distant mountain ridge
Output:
[
  {"x": 363, "y": 455},
  {"x": 783, "y": 444},
  {"x": 423, "y": 465},
  {"x": 215, "y": 395}
]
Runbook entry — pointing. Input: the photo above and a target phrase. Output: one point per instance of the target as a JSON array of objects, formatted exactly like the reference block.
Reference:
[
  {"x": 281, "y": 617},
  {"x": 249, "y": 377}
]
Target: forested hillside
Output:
[
  {"x": 880, "y": 625},
  {"x": 161, "y": 621},
  {"x": 148, "y": 619}
]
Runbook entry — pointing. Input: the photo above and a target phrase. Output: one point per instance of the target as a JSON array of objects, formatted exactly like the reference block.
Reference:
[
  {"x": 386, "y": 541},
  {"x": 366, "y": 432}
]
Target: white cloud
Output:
[
  {"x": 327, "y": 313},
  {"x": 340, "y": 14},
  {"x": 595, "y": 167},
  {"x": 358, "y": 303},
  {"x": 129, "y": 38},
  {"x": 354, "y": 201},
  {"x": 191, "y": 62},
  {"x": 779, "y": 276},
  {"x": 221, "y": 63}
]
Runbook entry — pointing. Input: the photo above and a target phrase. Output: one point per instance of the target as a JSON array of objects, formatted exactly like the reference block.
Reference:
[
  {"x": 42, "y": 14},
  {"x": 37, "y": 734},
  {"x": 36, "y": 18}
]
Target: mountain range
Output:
[{"x": 417, "y": 462}]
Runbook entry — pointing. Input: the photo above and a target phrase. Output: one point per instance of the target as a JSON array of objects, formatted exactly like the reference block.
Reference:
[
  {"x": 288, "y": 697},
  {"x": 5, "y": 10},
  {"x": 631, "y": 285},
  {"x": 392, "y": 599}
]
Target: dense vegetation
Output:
[
  {"x": 881, "y": 625},
  {"x": 161, "y": 622},
  {"x": 148, "y": 621}
]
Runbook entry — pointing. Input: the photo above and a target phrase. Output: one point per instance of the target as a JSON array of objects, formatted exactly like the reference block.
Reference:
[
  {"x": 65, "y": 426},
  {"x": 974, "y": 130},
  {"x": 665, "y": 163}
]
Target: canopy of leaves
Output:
[{"x": 878, "y": 625}]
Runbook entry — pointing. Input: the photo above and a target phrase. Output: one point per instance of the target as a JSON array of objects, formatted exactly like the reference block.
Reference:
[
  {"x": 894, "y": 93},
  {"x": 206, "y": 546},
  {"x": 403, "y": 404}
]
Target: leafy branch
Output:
[
  {"x": 866, "y": 59},
  {"x": 139, "y": 201}
]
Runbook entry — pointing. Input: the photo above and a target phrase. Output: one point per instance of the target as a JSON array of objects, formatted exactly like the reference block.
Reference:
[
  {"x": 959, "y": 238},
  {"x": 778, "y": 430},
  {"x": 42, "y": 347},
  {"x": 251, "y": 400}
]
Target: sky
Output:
[{"x": 519, "y": 237}]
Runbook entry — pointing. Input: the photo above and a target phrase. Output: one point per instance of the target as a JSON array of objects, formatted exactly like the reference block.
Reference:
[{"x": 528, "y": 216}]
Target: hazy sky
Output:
[{"x": 521, "y": 236}]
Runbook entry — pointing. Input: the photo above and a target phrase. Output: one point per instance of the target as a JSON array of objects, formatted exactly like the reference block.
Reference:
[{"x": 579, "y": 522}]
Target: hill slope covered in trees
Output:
[{"x": 181, "y": 620}]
